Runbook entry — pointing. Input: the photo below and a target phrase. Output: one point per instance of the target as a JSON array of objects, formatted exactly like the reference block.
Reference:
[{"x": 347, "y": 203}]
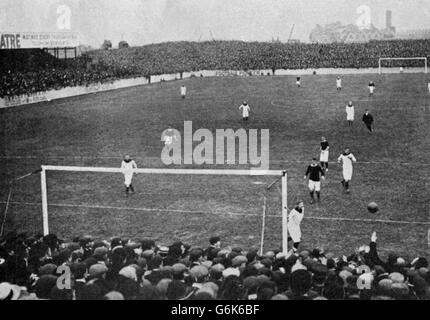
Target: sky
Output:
[{"x": 150, "y": 21}]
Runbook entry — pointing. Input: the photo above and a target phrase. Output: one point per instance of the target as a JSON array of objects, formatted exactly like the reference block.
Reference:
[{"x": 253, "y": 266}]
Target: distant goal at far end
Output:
[{"x": 382, "y": 60}]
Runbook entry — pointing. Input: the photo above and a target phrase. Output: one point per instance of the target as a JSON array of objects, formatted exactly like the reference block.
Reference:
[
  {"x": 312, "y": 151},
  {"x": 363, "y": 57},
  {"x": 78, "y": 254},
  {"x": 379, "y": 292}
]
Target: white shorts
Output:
[
  {"x": 245, "y": 115},
  {"x": 298, "y": 83},
  {"x": 314, "y": 185},
  {"x": 324, "y": 156},
  {"x": 127, "y": 179},
  {"x": 350, "y": 118},
  {"x": 347, "y": 175},
  {"x": 371, "y": 89}
]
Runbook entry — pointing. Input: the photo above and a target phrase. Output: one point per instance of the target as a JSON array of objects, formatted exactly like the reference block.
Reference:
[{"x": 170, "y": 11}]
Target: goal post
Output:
[
  {"x": 402, "y": 59},
  {"x": 233, "y": 172}
]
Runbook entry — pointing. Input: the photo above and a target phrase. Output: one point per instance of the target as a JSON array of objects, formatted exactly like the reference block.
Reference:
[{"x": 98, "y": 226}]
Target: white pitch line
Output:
[
  {"x": 289, "y": 104},
  {"x": 213, "y": 213},
  {"x": 368, "y": 220}
]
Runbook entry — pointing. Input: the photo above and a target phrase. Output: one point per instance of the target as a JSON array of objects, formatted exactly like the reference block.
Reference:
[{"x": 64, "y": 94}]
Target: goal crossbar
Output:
[
  {"x": 407, "y": 58},
  {"x": 251, "y": 172},
  {"x": 234, "y": 172}
]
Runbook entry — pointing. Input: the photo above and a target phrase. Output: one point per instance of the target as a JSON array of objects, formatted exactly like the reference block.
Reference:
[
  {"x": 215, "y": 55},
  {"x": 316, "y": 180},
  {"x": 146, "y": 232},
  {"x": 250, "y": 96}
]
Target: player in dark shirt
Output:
[
  {"x": 324, "y": 153},
  {"x": 368, "y": 120},
  {"x": 315, "y": 172}
]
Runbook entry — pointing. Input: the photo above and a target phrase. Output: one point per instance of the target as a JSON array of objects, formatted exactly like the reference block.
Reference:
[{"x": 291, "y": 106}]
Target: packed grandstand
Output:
[
  {"x": 33, "y": 71},
  {"x": 133, "y": 269}
]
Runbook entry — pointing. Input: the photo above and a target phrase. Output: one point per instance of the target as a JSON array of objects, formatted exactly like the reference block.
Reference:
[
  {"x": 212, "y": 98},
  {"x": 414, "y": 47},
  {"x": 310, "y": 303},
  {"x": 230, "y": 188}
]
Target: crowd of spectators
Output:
[
  {"x": 45, "y": 267},
  {"x": 38, "y": 71},
  {"x": 32, "y": 71}
]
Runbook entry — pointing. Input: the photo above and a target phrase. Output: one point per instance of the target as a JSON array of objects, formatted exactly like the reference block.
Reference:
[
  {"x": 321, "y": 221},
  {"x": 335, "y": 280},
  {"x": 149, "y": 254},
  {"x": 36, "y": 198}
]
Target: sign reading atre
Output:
[{"x": 29, "y": 40}]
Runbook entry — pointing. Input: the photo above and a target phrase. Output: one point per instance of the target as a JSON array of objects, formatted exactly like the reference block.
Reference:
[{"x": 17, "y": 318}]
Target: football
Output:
[{"x": 372, "y": 207}]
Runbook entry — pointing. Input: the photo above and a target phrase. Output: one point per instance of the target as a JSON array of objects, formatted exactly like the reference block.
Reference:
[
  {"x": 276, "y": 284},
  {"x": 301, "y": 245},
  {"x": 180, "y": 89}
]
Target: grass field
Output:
[{"x": 97, "y": 130}]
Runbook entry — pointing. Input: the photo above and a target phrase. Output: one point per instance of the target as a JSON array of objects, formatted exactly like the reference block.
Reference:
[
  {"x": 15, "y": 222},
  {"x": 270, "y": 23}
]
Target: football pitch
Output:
[{"x": 393, "y": 167}]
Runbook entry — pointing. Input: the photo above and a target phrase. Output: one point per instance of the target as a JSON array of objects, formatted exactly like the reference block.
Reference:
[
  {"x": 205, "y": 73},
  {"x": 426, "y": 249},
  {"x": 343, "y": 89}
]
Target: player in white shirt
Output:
[
  {"x": 429, "y": 86},
  {"x": 128, "y": 165},
  {"x": 183, "y": 91},
  {"x": 338, "y": 84},
  {"x": 347, "y": 158},
  {"x": 349, "y": 113},
  {"x": 371, "y": 88},
  {"x": 169, "y": 137},
  {"x": 295, "y": 218},
  {"x": 245, "y": 110}
]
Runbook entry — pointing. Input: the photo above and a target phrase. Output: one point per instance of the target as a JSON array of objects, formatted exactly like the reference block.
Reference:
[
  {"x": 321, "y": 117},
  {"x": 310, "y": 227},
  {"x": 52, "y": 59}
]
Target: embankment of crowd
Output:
[{"x": 126, "y": 83}]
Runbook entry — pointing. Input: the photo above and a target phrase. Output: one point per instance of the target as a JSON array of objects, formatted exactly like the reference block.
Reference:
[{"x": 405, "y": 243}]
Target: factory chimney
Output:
[{"x": 388, "y": 16}]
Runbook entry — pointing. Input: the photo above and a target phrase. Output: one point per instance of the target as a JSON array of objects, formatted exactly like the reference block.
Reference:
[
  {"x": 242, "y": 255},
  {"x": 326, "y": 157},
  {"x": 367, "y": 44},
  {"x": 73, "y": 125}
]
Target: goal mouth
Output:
[
  {"x": 402, "y": 64},
  {"x": 167, "y": 203}
]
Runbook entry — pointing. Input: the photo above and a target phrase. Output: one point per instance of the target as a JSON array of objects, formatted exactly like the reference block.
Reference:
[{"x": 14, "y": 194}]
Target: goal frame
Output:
[
  {"x": 236, "y": 172},
  {"x": 398, "y": 58}
]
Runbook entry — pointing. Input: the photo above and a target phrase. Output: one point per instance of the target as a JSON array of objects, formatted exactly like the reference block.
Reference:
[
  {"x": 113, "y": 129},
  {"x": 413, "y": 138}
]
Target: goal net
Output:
[
  {"x": 398, "y": 65},
  {"x": 244, "y": 207}
]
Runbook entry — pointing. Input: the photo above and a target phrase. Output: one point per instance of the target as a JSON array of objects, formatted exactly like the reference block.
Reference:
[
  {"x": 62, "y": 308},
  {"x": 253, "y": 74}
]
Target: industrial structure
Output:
[{"x": 337, "y": 32}]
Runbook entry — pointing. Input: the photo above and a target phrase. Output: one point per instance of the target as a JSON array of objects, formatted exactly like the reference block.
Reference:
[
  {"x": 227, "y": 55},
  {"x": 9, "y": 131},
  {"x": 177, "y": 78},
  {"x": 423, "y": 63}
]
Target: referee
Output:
[{"x": 368, "y": 120}]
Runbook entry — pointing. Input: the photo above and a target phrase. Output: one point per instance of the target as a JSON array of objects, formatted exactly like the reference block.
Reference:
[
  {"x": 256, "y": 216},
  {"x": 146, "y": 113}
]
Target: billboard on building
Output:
[{"x": 32, "y": 40}]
